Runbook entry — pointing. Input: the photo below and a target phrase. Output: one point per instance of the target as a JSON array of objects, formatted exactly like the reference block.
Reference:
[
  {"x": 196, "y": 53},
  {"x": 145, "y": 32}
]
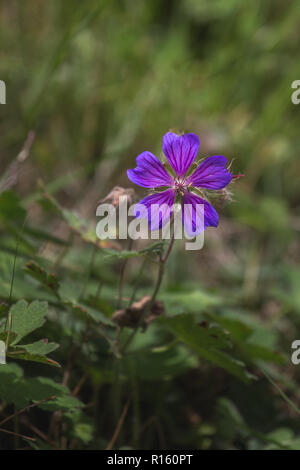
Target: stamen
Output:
[{"x": 180, "y": 185}]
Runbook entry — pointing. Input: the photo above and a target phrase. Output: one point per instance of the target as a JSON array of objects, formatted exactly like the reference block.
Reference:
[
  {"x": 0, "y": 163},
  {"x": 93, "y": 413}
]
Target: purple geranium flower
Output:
[{"x": 181, "y": 152}]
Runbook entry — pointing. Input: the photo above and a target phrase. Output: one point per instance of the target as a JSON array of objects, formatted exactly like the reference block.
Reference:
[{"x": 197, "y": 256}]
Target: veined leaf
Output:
[{"x": 27, "y": 317}]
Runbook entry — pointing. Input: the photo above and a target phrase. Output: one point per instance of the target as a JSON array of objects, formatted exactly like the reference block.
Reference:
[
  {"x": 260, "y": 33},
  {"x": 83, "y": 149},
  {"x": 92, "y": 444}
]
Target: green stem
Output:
[
  {"x": 90, "y": 268},
  {"x": 161, "y": 271},
  {"x": 137, "y": 282},
  {"x": 122, "y": 277}
]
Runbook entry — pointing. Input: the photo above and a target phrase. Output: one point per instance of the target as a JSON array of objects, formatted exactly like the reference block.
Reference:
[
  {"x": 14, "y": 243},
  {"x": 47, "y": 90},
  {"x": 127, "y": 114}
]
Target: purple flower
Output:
[{"x": 180, "y": 183}]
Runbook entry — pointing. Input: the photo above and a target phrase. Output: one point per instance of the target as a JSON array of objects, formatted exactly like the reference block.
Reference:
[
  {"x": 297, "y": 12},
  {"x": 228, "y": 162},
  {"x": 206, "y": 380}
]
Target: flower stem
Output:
[
  {"x": 122, "y": 276},
  {"x": 161, "y": 271}
]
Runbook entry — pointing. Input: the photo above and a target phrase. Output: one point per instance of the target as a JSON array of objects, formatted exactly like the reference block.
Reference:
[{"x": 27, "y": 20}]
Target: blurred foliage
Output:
[{"x": 90, "y": 85}]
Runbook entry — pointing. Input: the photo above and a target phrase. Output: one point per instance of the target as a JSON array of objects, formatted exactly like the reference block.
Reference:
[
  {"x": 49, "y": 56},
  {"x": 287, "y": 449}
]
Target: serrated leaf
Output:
[
  {"x": 42, "y": 387},
  {"x": 27, "y": 317}
]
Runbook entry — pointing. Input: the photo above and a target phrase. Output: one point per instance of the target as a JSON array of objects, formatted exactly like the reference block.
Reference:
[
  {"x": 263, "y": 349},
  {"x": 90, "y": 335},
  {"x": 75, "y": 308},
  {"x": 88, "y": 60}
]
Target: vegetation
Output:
[{"x": 90, "y": 85}]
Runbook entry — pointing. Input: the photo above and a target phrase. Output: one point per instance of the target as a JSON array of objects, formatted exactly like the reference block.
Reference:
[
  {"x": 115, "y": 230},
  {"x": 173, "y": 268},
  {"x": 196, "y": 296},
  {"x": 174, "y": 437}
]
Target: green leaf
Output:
[
  {"x": 86, "y": 311},
  {"x": 249, "y": 339},
  {"x": 80, "y": 426},
  {"x": 238, "y": 329},
  {"x": 84, "y": 431},
  {"x": 256, "y": 351},
  {"x": 11, "y": 384},
  {"x": 38, "y": 272},
  {"x": 27, "y": 317},
  {"x": 24, "y": 356},
  {"x": 154, "y": 249},
  {"x": 10, "y": 207},
  {"x": 41, "y": 388},
  {"x": 189, "y": 301},
  {"x": 11, "y": 334},
  {"x": 39, "y": 347},
  {"x": 14, "y": 388},
  {"x": 163, "y": 362},
  {"x": 206, "y": 342}
]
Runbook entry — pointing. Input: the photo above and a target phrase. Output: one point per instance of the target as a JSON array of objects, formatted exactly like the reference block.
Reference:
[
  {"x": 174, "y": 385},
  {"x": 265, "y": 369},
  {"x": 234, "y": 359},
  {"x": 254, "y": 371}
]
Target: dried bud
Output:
[
  {"x": 130, "y": 316},
  {"x": 114, "y": 196}
]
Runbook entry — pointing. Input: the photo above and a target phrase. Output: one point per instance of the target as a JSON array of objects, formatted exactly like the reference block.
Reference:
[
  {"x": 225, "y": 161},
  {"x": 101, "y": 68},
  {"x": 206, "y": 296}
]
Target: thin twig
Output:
[
  {"x": 37, "y": 431},
  {"x": 11, "y": 175},
  {"x": 118, "y": 427},
  {"x": 17, "y": 435},
  {"x": 80, "y": 384},
  {"x": 23, "y": 154},
  {"x": 122, "y": 276},
  {"x": 137, "y": 282},
  {"x": 14, "y": 267},
  {"x": 8, "y": 418},
  {"x": 90, "y": 268}
]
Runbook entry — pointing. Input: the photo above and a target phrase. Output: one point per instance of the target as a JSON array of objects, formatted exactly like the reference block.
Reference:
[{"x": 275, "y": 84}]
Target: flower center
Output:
[{"x": 180, "y": 185}]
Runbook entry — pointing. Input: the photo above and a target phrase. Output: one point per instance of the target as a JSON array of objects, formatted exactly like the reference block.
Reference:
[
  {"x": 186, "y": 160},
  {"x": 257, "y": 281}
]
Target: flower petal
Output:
[
  {"x": 150, "y": 172},
  {"x": 157, "y": 208},
  {"x": 197, "y": 214},
  {"x": 211, "y": 173},
  {"x": 180, "y": 151}
]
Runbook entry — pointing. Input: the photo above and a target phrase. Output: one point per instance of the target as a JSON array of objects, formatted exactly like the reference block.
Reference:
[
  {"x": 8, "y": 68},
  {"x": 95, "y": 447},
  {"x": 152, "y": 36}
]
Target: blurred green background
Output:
[{"x": 98, "y": 82}]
